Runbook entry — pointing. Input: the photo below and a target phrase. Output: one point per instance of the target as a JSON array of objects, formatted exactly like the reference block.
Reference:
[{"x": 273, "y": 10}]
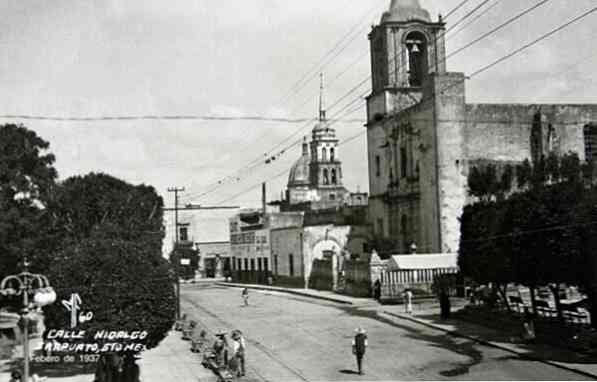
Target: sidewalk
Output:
[
  {"x": 171, "y": 360},
  {"x": 322, "y": 295},
  {"x": 427, "y": 313}
]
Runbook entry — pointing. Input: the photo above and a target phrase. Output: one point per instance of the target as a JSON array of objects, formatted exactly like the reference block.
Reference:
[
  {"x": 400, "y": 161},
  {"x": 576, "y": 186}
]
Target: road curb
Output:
[
  {"x": 297, "y": 292},
  {"x": 493, "y": 344}
]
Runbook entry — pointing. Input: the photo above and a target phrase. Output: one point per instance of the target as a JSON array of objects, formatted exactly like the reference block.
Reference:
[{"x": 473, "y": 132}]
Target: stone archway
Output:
[{"x": 325, "y": 251}]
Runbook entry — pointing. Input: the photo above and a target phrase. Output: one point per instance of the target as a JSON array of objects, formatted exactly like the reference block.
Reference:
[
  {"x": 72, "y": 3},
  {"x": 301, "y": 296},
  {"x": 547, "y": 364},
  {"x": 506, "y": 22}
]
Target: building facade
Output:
[
  {"x": 250, "y": 245},
  {"x": 423, "y": 138}
]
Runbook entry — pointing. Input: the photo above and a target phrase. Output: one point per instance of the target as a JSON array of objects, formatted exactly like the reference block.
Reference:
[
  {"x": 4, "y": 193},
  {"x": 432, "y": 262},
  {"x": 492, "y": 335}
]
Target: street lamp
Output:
[{"x": 25, "y": 284}]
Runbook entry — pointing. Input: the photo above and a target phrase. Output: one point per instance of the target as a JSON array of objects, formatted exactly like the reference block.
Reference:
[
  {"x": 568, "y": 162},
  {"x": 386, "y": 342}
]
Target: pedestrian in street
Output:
[
  {"x": 377, "y": 289},
  {"x": 528, "y": 326},
  {"x": 359, "y": 345},
  {"x": 408, "y": 301},
  {"x": 444, "y": 305},
  {"x": 239, "y": 347},
  {"x": 220, "y": 349},
  {"x": 245, "y": 296}
]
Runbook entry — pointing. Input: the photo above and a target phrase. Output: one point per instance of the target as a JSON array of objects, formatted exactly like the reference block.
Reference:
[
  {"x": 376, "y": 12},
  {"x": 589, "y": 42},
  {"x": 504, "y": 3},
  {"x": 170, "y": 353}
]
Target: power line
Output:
[
  {"x": 473, "y": 20},
  {"x": 456, "y": 8},
  {"x": 499, "y": 27},
  {"x": 487, "y": 67},
  {"x": 355, "y": 88},
  {"x": 534, "y": 42}
]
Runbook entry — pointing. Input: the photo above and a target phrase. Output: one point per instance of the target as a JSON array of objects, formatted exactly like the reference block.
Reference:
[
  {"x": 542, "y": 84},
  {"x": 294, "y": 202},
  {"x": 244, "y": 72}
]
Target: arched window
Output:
[
  {"x": 332, "y": 154},
  {"x": 416, "y": 45},
  {"x": 334, "y": 179},
  {"x": 326, "y": 180},
  {"x": 324, "y": 154}
]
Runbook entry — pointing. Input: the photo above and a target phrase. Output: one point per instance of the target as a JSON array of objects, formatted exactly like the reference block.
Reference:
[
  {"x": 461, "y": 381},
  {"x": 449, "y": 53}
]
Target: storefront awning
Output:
[{"x": 423, "y": 261}]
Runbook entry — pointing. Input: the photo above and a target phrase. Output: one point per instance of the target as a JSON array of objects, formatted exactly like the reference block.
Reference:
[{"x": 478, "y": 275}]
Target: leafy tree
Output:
[
  {"x": 27, "y": 179},
  {"x": 100, "y": 205},
  {"x": 125, "y": 286},
  {"x": 110, "y": 254}
]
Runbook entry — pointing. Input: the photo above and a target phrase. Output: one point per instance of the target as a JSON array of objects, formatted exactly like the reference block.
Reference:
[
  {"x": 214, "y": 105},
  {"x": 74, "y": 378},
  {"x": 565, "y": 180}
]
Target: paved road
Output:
[{"x": 292, "y": 338}]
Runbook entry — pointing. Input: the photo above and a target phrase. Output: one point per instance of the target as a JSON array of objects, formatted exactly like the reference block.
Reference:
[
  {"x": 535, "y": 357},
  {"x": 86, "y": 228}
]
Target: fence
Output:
[{"x": 394, "y": 283}]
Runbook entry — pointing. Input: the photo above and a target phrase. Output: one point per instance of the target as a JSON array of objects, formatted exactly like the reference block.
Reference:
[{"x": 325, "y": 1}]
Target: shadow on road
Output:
[
  {"x": 467, "y": 349},
  {"x": 511, "y": 336},
  {"x": 346, "y": 371}
]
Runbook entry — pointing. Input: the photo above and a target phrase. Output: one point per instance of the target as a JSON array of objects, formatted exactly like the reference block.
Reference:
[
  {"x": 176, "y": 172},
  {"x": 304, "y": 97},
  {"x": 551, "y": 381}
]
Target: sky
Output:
[{"x": 242, "y": 58}]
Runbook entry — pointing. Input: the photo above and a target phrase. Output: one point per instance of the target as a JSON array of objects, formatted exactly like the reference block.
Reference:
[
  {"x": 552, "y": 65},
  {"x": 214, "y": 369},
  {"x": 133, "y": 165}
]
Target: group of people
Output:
[{"x": 228, "y": 356}]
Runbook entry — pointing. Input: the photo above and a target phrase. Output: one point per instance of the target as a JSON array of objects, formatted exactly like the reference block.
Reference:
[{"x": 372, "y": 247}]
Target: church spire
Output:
[{"x": 321, "y": 101}]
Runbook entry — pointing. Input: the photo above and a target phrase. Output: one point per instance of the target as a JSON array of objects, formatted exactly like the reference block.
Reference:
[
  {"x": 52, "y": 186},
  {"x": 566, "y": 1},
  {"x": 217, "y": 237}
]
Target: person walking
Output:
[
  {"x": 359, "y": 345},
  {"x": 245, "y": 296},
  {"x": 408, "y": 301}
]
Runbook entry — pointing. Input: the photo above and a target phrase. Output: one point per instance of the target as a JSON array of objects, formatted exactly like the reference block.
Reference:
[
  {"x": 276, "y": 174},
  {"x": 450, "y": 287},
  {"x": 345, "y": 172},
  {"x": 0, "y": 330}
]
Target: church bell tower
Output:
[{"x": 405, "y": 48}]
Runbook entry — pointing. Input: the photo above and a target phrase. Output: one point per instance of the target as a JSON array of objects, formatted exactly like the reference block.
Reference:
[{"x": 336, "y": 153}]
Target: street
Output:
[{"x": 291, "y": 338}]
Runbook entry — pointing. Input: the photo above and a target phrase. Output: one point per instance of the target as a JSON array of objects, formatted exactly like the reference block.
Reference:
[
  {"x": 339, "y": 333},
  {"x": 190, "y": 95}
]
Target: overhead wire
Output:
[
  {"x": 469, "y": 14},
  {"x": 508, "y": 56}
]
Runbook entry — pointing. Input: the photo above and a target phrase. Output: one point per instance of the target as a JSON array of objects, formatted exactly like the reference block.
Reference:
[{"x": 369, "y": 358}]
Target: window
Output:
[
  {"x": 276, "y": 265},
  {"x": 252, "y": 264},
  {"x": 259, "y": 264},
  {"x": 184, "y": 233},
  {"x": 332, "y": 197},
  {"x": 332, "y": 154},
  {"x": 264, "y": 239},
  {"x": 377, "y": 165},
  {"x": 326, "y": 179},
  {"x": 403, "y": 164},
  {"x": 239, "y": 265},
  {"x": 265, "y": 264},
  {"x": 233, "y": 263},
  {"x": 291, "y": 265},
  {"x": 590, "y": 134},
  {"x": 416, "y": 46},
  {"x": 246, "y": 265},
  {"x": 324, "y": 154},
  {"x": 334, "y": 178}
]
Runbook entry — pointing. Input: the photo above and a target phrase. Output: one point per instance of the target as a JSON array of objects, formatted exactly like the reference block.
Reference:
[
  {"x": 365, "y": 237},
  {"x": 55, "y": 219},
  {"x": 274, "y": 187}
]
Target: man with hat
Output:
[
  {"x": 359, "y": 344},
  {"x": 239, "y": 351},
  {"x": 220, "y": 349}
]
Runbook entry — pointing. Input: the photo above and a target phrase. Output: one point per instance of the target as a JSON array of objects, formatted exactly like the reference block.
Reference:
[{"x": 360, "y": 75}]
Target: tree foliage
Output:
[
  {"x": 111, "y": 255},
  {"x": 121, "y": 282},
  {"x": 27, "y": 180},
  {"x": 538, "y": 235}
]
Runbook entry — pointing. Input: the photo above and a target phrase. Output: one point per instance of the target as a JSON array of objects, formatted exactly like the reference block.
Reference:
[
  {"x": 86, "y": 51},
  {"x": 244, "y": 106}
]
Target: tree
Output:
[
  {"x": 110, "y": 254},
  {"x": 125, "y": 286},
  {"x": 100, "y": 205},
  {"x": 27, "y": 180},
  {"x": 533, "y": 237}
]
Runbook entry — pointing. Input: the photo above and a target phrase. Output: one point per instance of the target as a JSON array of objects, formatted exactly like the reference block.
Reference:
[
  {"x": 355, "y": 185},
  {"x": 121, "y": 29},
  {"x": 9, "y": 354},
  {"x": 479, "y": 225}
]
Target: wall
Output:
[{"x": 287, "y": 241}]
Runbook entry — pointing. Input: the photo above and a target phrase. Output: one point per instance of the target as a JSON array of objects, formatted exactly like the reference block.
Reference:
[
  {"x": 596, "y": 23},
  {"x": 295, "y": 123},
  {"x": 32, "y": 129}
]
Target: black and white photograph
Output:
[{"x": 283, "y": 190}]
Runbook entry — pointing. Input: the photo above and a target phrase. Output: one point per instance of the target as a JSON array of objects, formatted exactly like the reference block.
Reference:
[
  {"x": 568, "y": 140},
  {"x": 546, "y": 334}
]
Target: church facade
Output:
[{"x": 423, "y": 138}]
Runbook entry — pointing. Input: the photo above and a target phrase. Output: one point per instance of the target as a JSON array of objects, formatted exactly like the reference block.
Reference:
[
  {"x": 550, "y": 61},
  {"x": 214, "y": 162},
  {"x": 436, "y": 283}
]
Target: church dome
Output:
[
  {"x": 405, "y": 10},
  {"x": 299, "y": 172}
]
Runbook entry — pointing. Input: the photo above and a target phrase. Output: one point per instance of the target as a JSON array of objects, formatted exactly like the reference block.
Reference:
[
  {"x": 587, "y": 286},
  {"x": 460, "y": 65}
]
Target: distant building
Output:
[
  {"x": 423, "y": 138},
  {"x": 214, "y": 259},
  {"x": 204, "y": 230},
  {"x": 315, "y": 179},
  {"x": 250, "y": 248}
]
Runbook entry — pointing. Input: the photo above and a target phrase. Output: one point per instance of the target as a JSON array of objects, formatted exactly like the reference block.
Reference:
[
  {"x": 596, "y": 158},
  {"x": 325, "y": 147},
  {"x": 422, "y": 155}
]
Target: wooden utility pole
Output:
[{"x": 176, "y": 190}]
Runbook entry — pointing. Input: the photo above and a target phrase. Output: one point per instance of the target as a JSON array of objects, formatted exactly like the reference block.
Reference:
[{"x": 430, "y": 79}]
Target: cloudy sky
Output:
[{"x": 241, "y": 58}]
